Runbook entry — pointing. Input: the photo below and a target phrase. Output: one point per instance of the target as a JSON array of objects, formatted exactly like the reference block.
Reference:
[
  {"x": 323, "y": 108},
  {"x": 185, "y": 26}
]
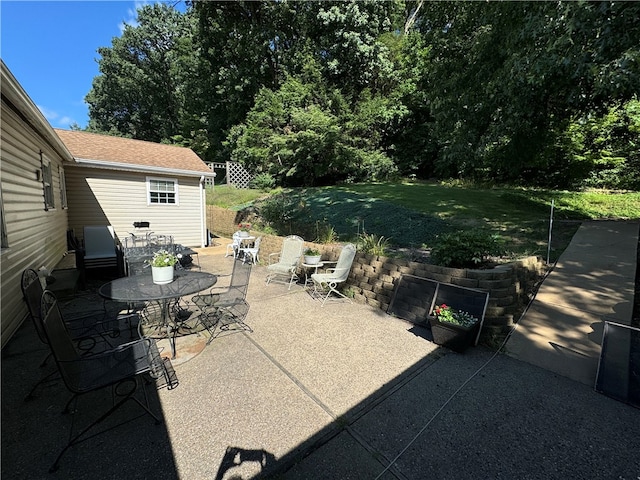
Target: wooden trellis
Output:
[{"x": 235, "y": 174}]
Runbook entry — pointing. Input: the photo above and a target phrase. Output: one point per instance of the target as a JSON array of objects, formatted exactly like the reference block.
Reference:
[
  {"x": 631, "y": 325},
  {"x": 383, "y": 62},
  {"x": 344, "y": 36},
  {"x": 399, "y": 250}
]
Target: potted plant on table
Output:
[
  {"x": 455, "y": 329},
  {"x": 312, "y": 256},
  {"x": 162, "y": 266},
  {"x": 244, "y": 228}
]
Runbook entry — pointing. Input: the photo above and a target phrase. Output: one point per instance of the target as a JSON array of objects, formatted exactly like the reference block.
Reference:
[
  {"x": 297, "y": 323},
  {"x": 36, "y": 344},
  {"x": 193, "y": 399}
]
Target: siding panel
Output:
[
  {"x": 110, "y": 197},
  {"x": 36, "y": 237}
]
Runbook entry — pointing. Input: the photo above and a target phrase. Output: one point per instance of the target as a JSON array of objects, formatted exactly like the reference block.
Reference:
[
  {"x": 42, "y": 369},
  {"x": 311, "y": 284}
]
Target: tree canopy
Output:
[{"x": 539, "y": 93}]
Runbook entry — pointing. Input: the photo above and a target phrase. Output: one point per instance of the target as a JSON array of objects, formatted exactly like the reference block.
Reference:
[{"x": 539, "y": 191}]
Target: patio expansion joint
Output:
[
  {"x": 293, "y": 378},
  {"x": 348, "y": 424}
]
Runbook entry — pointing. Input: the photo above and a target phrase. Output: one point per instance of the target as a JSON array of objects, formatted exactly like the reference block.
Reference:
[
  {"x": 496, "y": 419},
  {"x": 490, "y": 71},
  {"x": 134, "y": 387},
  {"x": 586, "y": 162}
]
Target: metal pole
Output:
[{"x": 550, "y": 229}]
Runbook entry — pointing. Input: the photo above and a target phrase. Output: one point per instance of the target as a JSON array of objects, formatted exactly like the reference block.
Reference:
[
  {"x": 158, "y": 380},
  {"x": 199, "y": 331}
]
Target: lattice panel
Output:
[{"x": 237, "y": 175}]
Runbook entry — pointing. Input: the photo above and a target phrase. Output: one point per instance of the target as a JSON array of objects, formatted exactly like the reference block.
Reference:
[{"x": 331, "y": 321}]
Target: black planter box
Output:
[{"x": 452, "y": 336}]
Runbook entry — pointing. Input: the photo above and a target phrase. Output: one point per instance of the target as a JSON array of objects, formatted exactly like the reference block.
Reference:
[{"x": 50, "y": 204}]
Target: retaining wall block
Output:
[
  {"x": 391, "y": 268},
  {"x": 502, "y": 292},
  {"x": 406, "y": 270},
  {"x": 491, "y": 284},
  {"x": 385, "y": 278},
  {"x": 505, "y": 301},
  {"x": 374, "y": 303},
  {"x": 494, "y": 312},
  {"x": 368, "y": 269},
  {"x": 415, "y": 265},
  {"x": 377, "y": 265},
  {"x": 358, "y": 278},
  {"x": 369, "y": 295},
  {"x": 465, "y": 282},
  {"x": 502, "y": 321},
  {"x": 366, "y": 287},
  {"x": 359, "y": 298},
  {"x": 381, "y": 290},
  {"x": 438, "y": 277},
  {"x": 389, "y": 286}
]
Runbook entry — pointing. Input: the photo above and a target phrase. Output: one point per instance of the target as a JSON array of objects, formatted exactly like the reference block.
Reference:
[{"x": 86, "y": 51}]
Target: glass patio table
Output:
[{"x": 140, "y": 288}]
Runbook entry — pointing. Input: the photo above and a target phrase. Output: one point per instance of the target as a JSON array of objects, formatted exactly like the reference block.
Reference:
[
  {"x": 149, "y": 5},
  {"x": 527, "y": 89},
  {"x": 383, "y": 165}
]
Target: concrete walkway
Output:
[
  {"x": 593, "y": 282},
  {"x": 339, "y": 392}
]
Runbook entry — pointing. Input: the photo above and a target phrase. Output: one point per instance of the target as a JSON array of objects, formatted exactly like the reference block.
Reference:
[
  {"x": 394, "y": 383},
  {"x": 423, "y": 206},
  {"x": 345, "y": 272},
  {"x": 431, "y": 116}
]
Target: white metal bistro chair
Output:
[
  {"x": 285, "y": 263},
  {"x": 234, "y": 247},
  {"x": 251, "y": 253},
  {"x": 324, "y": 284}
]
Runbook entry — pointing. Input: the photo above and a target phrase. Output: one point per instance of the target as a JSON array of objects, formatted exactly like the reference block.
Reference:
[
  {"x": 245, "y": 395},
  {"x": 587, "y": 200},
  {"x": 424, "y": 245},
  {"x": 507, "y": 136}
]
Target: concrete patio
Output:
[{"x": 339, "y": 392}]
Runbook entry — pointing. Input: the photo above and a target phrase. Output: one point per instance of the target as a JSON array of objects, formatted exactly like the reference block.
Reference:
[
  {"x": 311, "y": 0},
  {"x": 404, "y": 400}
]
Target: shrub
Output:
[
  {"x": 466, "y": 249},
  {"x": 263, "y": 181},
  {"x": 373, "y": 244}
]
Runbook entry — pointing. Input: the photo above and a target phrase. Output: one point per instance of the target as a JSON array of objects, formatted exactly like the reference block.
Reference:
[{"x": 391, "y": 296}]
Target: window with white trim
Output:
[
  {"x": 162, "y": 191},
  {"x": 63, "y": 187},
  {"x": 47, "y": 182}
]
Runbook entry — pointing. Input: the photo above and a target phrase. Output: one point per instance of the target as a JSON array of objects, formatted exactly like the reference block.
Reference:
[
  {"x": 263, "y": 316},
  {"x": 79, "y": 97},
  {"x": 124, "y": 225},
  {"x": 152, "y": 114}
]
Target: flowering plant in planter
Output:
[
  {"x": 244, "y": 227},
  {"x": 163, "y": 258},
  {"x": 445, "y": 313}
]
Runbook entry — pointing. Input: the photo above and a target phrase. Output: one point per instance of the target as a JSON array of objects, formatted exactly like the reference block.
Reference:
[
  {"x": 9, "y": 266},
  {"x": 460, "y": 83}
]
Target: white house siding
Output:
[
  {"x": 35, "y": 237},
  {"x": 119, "y": 198}
]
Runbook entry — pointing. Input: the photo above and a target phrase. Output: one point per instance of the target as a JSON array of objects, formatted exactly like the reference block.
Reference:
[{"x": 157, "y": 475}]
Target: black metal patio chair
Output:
[
  {"x": 120, "y": 368},
  {"x": 93, "y": 329},
  {"x": 222, "y": 308}
]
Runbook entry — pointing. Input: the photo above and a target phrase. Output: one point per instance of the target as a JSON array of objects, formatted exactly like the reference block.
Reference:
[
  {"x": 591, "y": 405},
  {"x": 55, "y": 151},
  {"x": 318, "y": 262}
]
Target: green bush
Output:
[
  {"x": 466, "y": 249},
  {"x": 263, "y": 181}
]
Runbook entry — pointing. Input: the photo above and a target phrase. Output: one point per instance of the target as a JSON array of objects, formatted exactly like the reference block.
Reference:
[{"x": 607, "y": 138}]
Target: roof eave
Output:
[
  {"x": 22, "y": 104},
  {"x": 84, "y": 162}
]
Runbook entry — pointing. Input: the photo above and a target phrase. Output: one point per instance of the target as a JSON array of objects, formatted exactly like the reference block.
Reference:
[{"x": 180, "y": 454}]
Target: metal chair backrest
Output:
[
  {"x": 239, "y": 281},
  {"x": 291, "y": 250},
  {"x": 345, "y": 260},
  {"x": 58, "y": 336},
  {"x": 32, "y": 293}
]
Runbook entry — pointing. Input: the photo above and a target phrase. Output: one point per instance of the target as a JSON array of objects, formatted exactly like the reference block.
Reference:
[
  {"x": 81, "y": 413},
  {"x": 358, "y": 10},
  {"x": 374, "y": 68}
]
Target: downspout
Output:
[{"x": 203, "y": 220}]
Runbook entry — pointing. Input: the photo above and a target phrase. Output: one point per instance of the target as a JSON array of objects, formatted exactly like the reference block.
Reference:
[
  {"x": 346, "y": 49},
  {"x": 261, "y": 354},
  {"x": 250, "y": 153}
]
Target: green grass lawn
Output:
[{"x": 413, "y": 214}]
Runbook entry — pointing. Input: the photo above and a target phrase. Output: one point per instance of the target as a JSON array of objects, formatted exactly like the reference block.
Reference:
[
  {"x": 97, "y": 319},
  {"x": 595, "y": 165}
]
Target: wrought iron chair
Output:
[
  {"x": 95, "y": 326},
  {"x": 326, "y": 283},
  {"x": 285, "y": 264},
  {"x": 115, "y": 368},
  {"x": 223, "y": 307}
]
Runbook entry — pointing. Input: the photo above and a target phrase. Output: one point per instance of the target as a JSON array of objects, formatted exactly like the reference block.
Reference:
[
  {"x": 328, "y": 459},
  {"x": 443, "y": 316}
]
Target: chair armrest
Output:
[{"x": 275, "y": 256}]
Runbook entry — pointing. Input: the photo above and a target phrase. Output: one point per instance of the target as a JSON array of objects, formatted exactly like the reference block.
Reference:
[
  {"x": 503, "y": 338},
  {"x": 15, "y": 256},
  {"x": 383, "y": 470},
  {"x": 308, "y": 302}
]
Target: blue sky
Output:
[{"x": 51, "y": 49}]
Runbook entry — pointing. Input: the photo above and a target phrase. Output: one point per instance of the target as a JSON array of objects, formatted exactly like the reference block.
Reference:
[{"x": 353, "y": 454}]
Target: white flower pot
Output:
[
  {"x": 243, "y": 233},
  {"x": 162, "y": 275},
  {"x": 312, "y": 259}
]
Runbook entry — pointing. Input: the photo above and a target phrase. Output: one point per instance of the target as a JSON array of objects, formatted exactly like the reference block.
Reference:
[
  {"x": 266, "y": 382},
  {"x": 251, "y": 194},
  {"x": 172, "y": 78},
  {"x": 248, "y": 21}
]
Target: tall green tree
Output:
[
  {"x": 502, "y": 76},
  {"x": 140, "y": 90},
  {"x": 306, "y": 134}
]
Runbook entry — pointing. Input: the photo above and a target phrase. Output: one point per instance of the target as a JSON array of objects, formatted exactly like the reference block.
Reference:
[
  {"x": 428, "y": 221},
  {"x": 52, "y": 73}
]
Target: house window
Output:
[
  {"x": 47, "y": 182},
  {"x": 5, "y": 242},
  {"x": 163, "y": 191},
  {"x": 63, "y": 187}
]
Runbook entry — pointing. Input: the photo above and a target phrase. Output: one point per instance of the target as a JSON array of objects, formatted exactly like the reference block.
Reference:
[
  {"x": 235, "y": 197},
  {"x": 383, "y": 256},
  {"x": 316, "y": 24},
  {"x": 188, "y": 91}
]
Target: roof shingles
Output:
[{"x": 105, "y": 148}]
